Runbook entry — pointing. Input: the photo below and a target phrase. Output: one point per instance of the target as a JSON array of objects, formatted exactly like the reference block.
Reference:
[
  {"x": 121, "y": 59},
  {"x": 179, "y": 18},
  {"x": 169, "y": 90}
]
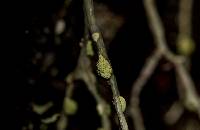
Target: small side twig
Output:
[
  {"x": 184, "y": 29},
  {"x": 174, "y": 113},
  {"x": 62, "y": 122},
  {"x": 83, "y": 71},
  {"x": 185, "y": 17}
]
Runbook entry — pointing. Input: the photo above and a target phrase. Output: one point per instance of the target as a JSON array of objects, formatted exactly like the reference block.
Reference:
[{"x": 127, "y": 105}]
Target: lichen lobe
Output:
[
  {"x": 95, "y": 36},
  {"x": 89, "y": 48},
  {"x": 104, "y": 68}
]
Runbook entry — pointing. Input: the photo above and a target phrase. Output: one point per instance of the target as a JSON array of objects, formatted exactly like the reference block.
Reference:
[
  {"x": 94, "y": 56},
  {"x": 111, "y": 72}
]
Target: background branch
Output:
[
  {"x": 190, "y": 95},
  {"x": 83, "y": 72},
  {"x": 137, "y": 87},
  {"x": 157, "y": 29}
]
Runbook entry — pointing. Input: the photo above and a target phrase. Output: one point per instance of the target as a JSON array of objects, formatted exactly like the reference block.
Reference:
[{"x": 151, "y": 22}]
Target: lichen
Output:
[
  {"x": 89, "y": 49},
  {"x": 123, "y": 103},
  {"x": 104, "y": 68},
  {"x": 70, "y": 106},
  {"x": 95, "y": 36},
  {"x": 185, "y": 45}
]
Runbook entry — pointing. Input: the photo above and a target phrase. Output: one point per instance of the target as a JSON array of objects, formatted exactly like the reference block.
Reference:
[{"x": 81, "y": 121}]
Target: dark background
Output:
[{"x": 128, "y": 50}]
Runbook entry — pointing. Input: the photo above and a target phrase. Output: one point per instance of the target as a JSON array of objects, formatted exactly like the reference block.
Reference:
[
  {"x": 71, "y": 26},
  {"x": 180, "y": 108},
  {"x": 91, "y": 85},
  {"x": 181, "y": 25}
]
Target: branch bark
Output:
[{"x": 97, "y": 37}]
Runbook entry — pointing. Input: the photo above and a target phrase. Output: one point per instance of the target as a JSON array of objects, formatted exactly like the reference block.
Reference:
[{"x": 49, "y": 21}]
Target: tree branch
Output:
[
  {"x": 137, "y": 87},
  {"x": 97, "y": 37},
  {"x": 185, "y": 17},
  {"x": 83, "y": 71},
  {"x": 157, "y": 29}
]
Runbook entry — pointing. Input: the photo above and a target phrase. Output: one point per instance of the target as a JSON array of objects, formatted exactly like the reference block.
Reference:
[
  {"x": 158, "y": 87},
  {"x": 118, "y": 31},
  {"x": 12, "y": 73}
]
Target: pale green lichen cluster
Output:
[
  {"x": 185, "y": 45},
  {"x": 70, "y": 106},
  {"x": 95, "y": 36},
  {"x": 104, "y": 68},
  {"x": 123, "y": 103},
  {"x": 89, "y": 49}
]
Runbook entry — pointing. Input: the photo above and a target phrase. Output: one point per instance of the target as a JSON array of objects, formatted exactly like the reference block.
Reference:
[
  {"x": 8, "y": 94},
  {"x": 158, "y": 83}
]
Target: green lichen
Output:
[
  {"x": 123, "y": 103},
  {"x": 185, "y": 46},
  {"x": 89, "y": 49},
  {"x": 70, "y": 106},
  {"x": 95, "y": 36},
  {"x": 104, "y": 68}
]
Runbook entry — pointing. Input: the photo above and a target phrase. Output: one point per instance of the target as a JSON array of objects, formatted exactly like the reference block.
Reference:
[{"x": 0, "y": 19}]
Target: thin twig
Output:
[
  {"x": 155, "y": 24},
  {"x": 174, "y": 113},
  {"x": 185, "y": 17},
  {"x": 85, "y": 73},
  {"x": 62, "y": 122},
  {"x": 157, "y": 29},
  {"x": 190, "y": 95},
  {"x": 185, "y": 30},
  {"x": 137, "y": 87},
  {"x": 184, "y": 26},
  {"x": 191, "y": 98},
  {"x": 94, "y": 30}
]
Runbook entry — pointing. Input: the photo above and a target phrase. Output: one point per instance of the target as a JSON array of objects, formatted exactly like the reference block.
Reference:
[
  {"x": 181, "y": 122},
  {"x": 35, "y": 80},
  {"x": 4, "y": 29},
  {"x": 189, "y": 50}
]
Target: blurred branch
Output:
[
  {"x": 84, "y": 72},
  {"x": 184, "y": 26},
  {"x": 105, "y": 71},
  {"x": 174, "y": 113},
  {"x": 185, "y": 30},
  {"x": 185, "y": 17},
  {"x": 137, "y": 87},
  {"x": 190, "y": 95},
  {"x": 184, "y": 38},
  {"x": 185, "y": 43},
  {"x": 62, "y": 122},
  {"x": 185, "y": 84}
]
